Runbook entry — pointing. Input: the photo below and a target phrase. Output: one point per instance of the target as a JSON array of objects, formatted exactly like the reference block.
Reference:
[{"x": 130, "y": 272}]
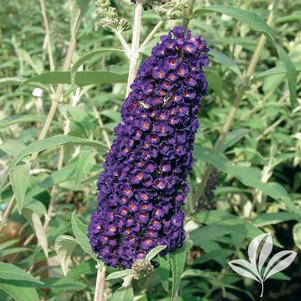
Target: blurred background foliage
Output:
[{"x": 254, "y": 177}]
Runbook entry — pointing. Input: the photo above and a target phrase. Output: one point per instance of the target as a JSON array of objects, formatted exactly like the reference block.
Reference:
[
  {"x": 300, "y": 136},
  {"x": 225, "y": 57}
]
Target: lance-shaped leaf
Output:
[
  {"x": 154, "y": 252},
  {"x": 64, "y": 247},
  {"x": 284, "y": 259},
  {"x": 19, "y": 179},
  {"x": 245, "y": 268},
  {"x": 35, "y": 222}
]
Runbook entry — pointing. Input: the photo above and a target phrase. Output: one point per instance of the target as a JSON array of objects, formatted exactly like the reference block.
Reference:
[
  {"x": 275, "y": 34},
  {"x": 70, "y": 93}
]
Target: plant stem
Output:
[
  {"x": 100, "y": 284},
  {"x": 150, "y": 36},
  {"x": 47, "y": 34},
  {"x": 233, "y": 110},
  {"x": 135, "y": 46},
  {"x": 123, "y": 42}
]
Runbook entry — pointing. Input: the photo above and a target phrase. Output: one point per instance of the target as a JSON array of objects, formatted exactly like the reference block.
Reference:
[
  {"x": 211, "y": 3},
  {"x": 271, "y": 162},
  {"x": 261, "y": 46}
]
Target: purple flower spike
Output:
[{"x": 144, "y": 182}]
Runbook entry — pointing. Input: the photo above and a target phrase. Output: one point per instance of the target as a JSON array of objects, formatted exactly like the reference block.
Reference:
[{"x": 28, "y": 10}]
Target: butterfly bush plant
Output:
[
  {"x": 155, "y": 154},
  {"x": 144, "y": 183}
]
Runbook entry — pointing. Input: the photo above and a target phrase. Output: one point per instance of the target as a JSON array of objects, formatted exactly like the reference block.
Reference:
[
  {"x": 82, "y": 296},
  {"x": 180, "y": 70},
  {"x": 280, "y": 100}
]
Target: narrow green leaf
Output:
[
  {"x": 35, "y": 222},
  {"x": 19, "y": 179},
  {"x": 64, "y": 247},
  {"x": 177, "y": 264},
  {"x": 267, "y": 219},
  {"x": 57, "y": 177},
  {"x": 82, "y": 78},
  {"x": 154, "y": 252},
  {"x": 93, "y": 53},
  {"x": 247, "y": 17},
  {"x": 8, "y": 243},
  {"x": 291, "y": 73},
  {"x": 83, "y": 165},
  {"x": 12, "y": 147},
  {"x": 119, "y": 274},
  {"x": 18, "y": 292},
  {"x": 9, "y": 271},
  {"x": 80, "y": 231},
  {"x": 164, "y": 271},
  {"x": 123, "y": 294},
  {"x": 79, "y": 9},
  {"x": 204, "y": 234},
  {"x": 297, "y": 235},
  {"x": 67, "y": 284},
  {"x": 275, "y": 71},
  {"x": 8, "y": 121},
  {"x": 35, "y": 206},
  {"x": 233, "y": 137},
  {"x": 11, "y": 251},
  {"x": 225, "y": 60},
  {"x": 215, "y": 82},
  {"x": 49, "y": 143}
]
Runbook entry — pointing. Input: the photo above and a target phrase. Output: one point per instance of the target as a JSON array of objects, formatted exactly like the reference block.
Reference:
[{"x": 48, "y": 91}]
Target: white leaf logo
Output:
[{"x": 258, "y": 252}]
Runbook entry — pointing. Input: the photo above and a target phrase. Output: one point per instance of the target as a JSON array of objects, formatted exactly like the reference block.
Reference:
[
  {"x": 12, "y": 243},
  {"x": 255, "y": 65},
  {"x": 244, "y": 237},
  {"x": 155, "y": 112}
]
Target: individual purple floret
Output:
[{"x": 144, "y": 182}]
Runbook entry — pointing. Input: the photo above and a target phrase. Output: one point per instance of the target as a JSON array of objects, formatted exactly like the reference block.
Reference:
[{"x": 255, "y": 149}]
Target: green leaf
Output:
[
  {"x": 36, "y": 206},
  {"x": 215, "y": 82},
  {"x": 204, "y": 234},
  {"x": 247, "y": 17},
  {"x": 256, "y": 23},
  {"x": 80, "y": 231},
  {"x": 219, "y": 255},
  {"x": 8, "y": 121},
  {"x": 67, "y": 284},
  {"x": 11, "y": 251},
  {"x": 19, "y": 179},
  {"x": 64, "y": 247},
  {"x": 35, "y": 222},
  {"x": 225, "y": 60},
  {"x": 291, "y": 73},
  {"x": 292, "y": 17},
  {"x": 123, "y": 294},
  {"x": 79, "y": 9},
  {"x": 249, "y": 176},
  {"x": 275, "y": 71},
  {"x": 164, "y": 271},
  {"x": 267, "y": 219},
  {"x": 49, "y": 143},
  {"x": 82, "y": 78},
  {"x": 233, "y": 137},
  {"x": 297, "y": 235},
  {"x": 119, "y": 274},
  {"x": 19, "y": 293},
  {"x": 57, "y": 177},
  {"x": 177, "y": 264},
  {"x": 8, "y": 244},
  {"x": 93, "y": 53},
  {"x": 154, "y": 252},
  {"x": 83, "y": 165},
  {"x": 12, "y": 147},
  {"x": 9, "y": 271}
]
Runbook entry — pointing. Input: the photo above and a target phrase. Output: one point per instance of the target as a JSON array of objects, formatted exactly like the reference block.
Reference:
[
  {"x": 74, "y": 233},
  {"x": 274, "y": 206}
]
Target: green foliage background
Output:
[{"x": 47, "y": 257}]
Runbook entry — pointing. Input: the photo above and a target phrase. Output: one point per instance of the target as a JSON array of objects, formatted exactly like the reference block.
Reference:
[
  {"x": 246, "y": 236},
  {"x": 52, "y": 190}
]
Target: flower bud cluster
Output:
[
  {"x": 173, "y": 9},
  {"x": 110, "y": 18},
  {"x": 150, "y": 3}
]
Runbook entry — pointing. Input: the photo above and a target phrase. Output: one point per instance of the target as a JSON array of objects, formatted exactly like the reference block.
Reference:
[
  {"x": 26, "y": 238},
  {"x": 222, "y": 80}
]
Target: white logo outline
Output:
[{"x": 258, "y": 252}]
